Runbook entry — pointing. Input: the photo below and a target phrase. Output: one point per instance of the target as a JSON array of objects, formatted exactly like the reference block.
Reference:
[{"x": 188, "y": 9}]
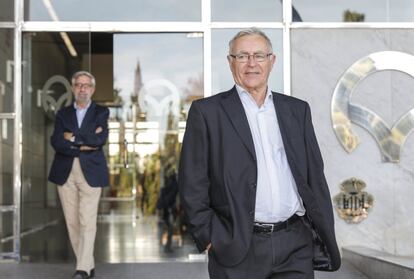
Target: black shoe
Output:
[
  {"x": 80, "y": 274},
  {"x": 168, "y": 250},
  {"x": 92, "y": 273}
]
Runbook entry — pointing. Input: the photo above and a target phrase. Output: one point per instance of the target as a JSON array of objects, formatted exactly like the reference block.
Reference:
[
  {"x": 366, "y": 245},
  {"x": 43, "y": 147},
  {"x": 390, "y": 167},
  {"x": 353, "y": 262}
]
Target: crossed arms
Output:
[{"x": 71, "y": 143}]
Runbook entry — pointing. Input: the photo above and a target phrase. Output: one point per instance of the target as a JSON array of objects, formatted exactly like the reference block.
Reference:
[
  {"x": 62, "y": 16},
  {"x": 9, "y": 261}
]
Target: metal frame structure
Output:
[
  {"x": 205, "y": 26},
  {"x": 17, "y": 120}
]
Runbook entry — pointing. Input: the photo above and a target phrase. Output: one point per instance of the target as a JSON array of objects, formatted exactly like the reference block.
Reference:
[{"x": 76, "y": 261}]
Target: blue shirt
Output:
[
  {"x": 277, "y": 197},
  {"x": 80, "y": 113}
]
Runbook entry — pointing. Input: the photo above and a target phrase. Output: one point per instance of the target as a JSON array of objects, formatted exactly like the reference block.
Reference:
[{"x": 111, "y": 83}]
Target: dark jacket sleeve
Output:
[
  {"x": 89, "y": 137},
  {"x": 59, "y": 143},
  {"x": 317, "y": 182},
  {"x": 193, "y": 179},
  {"x": 316, "y": 177}
]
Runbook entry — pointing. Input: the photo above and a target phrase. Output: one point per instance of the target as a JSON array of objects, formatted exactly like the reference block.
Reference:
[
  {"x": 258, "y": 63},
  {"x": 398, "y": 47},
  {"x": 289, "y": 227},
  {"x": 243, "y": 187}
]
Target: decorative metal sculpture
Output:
[{"x": 343, "y": 112}]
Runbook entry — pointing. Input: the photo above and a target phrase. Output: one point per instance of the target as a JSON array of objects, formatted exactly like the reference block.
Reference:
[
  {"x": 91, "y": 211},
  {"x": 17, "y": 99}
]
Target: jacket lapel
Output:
[
  {"x": 73, "y": 120},
  {"x": 284, "y": 116},
  {"x": 234, "y": 109},
  {"x": 286, "y": 126}
]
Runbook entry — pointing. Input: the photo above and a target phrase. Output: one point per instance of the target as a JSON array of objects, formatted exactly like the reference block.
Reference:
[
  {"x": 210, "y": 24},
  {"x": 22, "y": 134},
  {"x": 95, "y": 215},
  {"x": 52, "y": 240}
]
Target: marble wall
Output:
[{"x": 319, "y": 58}]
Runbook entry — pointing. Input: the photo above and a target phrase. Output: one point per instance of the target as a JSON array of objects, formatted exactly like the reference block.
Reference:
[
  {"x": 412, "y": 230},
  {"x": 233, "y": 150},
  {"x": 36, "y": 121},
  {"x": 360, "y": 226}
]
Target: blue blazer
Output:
[{"x": 93, "y": 163}]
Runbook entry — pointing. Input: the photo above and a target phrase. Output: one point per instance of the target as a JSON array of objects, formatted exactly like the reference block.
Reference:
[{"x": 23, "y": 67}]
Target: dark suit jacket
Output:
[
  {"x": 218, "y": 175},
  {"x": 93, "y": 163}
]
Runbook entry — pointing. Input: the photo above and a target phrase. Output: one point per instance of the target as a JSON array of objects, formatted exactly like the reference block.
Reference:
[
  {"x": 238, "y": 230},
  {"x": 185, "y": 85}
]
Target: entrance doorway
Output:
[{"x": 148, "y": 81}]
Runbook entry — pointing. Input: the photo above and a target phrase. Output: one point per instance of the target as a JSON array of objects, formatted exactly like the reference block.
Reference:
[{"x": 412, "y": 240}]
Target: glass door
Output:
[
  {"x": 50, "y": 59},
  {"x": 9, "y": 194},
  {"x": 148, "y": 81},
  {"x": 155, "y": 79}
]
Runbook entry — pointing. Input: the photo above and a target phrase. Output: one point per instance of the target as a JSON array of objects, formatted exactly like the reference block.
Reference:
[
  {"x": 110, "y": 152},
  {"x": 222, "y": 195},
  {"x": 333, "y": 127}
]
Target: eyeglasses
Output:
[
  {"x": 244, "y": 57},
  {"x": 83, "y": 85}
]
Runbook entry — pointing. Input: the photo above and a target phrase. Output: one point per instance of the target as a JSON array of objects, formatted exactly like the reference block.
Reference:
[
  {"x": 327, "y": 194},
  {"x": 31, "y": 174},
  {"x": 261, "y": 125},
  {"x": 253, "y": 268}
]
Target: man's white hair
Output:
[
  {"x": 83, "y": 73},
  {"x": 250, "y": 32}
]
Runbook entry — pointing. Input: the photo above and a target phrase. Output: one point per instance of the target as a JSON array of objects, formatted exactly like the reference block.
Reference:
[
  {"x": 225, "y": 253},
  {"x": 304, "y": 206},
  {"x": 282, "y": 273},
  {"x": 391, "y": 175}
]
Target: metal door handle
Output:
[{"x": 125, "y": 155}]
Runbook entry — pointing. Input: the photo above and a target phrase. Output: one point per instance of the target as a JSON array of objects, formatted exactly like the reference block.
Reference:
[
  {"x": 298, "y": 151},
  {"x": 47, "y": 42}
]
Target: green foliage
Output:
[{"x": 352, "y": 16}]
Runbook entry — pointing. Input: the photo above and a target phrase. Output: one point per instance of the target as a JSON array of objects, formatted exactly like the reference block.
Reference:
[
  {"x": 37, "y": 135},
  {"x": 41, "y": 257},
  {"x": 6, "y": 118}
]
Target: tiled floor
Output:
[
  {"x": 166, "y": 270},
  {"x": 126, "y": 247},
  {"x": 123, "y": 241},
  {"x": 120, "y": 239}
]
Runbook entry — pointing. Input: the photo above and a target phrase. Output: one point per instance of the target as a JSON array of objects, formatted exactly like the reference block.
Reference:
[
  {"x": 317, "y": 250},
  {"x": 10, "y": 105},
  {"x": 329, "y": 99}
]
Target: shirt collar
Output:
[
  {"x": 76, "y": 106},
  {"x": 241, "y": 91}
]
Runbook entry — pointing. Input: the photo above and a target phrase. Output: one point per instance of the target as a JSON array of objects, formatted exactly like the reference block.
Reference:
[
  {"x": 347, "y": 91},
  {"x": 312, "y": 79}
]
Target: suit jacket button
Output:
[
  {"x": 254, "y": 185},
  {"x": 251, "y": 212}
]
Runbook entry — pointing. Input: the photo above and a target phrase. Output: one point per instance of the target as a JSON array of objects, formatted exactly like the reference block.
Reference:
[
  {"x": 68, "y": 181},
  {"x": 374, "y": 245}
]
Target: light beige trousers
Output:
[{"x": 80, "y": 207}]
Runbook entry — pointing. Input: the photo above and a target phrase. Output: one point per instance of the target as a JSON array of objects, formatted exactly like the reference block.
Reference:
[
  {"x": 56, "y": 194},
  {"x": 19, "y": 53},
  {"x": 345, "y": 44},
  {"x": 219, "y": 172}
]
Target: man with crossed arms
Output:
[{"x": 80, "y": 169}]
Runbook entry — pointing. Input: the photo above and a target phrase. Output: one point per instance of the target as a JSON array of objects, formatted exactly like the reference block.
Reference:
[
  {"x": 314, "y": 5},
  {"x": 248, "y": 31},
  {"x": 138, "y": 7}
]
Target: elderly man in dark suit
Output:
[
  {"x": 79, "y": 168},
  {"x": 251, "y": 176}
]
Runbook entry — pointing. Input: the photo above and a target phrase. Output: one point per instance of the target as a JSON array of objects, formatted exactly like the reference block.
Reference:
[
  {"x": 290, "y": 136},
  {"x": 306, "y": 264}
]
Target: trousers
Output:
[
  {"x": 80, "y": 207},
  {"x": 284, "y": 254}
]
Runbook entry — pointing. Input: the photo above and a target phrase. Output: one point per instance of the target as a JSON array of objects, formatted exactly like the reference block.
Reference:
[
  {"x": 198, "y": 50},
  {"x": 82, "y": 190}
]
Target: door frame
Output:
[{"x": 16, "y": 117}]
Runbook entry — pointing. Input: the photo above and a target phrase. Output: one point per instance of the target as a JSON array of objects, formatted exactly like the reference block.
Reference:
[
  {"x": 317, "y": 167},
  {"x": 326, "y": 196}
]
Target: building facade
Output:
[{"x": 351, "y": 60}]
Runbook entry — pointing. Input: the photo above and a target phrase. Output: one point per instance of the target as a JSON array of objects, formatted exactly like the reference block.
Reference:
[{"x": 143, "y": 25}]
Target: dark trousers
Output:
[{"x": 285, "y": 254}]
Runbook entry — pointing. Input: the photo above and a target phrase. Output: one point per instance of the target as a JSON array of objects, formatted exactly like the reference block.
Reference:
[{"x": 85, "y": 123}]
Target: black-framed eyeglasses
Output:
[{"x": 244, "y": 57}]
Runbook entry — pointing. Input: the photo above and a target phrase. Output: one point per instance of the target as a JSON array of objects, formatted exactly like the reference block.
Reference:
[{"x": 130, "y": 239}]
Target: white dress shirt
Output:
[{"x": 277, "y": 197}]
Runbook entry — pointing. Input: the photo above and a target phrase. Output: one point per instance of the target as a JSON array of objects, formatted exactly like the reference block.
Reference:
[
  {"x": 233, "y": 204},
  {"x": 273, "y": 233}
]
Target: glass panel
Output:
[
  {"x": 221, "y": 74},
  {"x": 7, "y": 10},
  {"x": 6, "y": 183},
  {"x": 6, "y": 70},
  {"x": 245, "y": 10},
  {"x": 148, "y": 81},
  {"x": 51, "y": 59},
  {"x": 320, "y": 57},
  {"x": 156, "y": 77},
  {"x": 353, "y": 10},
  {"x": 108, "y": 10},
  {"x": 6, "y": 157},
  {"x": 6, "y": 232}
]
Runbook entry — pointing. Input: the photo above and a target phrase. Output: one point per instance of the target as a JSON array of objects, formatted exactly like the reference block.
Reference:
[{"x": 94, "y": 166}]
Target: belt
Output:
[{"x": 266, "y": 228}]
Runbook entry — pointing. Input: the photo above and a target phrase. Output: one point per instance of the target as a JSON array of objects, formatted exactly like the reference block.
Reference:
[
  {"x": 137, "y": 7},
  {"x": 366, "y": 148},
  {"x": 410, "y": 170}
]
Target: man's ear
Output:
[
  {"x": 273, "y": 60},
  {"x": 230, "y": 63},
  {"x": 229, "y": 59}
]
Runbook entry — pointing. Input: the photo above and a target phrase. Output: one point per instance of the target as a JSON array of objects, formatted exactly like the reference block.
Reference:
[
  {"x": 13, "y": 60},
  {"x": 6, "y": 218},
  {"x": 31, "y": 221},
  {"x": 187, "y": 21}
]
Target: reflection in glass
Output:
[
  {"x": 156, "y": 77},
  {"x": 6, "y": 156},
  {"x": 6, "y": 10},
  {"x": 6, "y": 133},
  {"x": 6, "y": 182},
  {"x": 244, "y": 10},
  {"x": 106, "y": 10},
  {"x": 48, "y": 66},
  {"x": 6, "y": 232},
  {"x": 354, "y": 10},
  {"x": 222, "y": 79},
  {"x": 148, "y": 81},
  {"x": 6, "y": 70}
]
